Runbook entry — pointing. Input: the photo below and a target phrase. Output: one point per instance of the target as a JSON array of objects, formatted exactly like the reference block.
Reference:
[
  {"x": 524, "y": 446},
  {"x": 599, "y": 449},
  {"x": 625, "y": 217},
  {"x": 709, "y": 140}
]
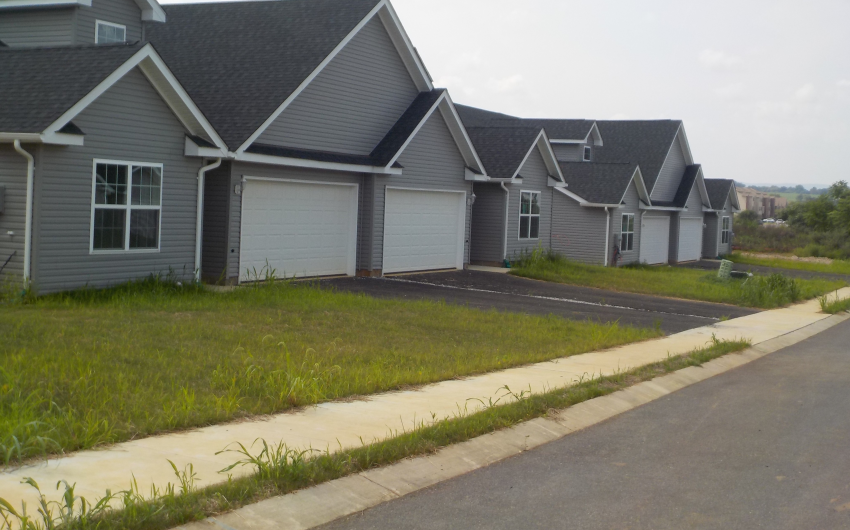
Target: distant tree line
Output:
[{"x": 799, "y": 189}]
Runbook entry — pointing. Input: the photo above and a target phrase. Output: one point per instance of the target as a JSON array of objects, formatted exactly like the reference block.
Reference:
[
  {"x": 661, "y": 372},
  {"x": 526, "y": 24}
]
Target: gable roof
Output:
[
  {"x": 719, "y": 191},
  {"x": 503, "y": 149},
  {"x": 404, "y": 128},
  {"x": 555, "y": 129},
  {"x": 687, "y": 184},
  {"x": 598, "y": 183},
  {"x": 259, "y": 55},
  {"x": 43, "y": 83},
  {"x": 644, "y": 142}
]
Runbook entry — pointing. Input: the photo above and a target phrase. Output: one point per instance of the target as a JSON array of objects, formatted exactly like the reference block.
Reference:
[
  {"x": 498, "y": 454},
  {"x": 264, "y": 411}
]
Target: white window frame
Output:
[
  {"x": 624, "y": 233},
  {"x": 588, "y": 154},
  {"x": 128, "y": 208},
  {"x": 529, "y": 215},
  {"x": 98, "y": 23},
  {"x": 725, "y": 231}
]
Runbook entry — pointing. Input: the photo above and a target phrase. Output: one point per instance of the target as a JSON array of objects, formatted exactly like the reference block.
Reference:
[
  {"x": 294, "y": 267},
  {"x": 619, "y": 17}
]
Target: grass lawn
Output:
[
  {"x": 280, "y": 470},
  {"x": 96, "y": 367},
  {"x": 675, "y": 282},
  {"x": 836, "y": 267}
]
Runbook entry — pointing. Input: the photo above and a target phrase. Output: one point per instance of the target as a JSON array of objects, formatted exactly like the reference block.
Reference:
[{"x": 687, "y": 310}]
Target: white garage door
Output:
[
  {"x": 690, "y": 239},
  {"x": 299, "y": 228},
  {"x": 423, "y": 230},
  {"x": 655, "y": 240}
]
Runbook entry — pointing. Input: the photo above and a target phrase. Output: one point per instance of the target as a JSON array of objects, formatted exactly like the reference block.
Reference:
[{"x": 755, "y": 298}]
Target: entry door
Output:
[
  {"x": 690, "y": 239},
  {"x": 423, "y": 230},
  {"x": 655, "y": 240},
  {"x": 298, "y": 229}
]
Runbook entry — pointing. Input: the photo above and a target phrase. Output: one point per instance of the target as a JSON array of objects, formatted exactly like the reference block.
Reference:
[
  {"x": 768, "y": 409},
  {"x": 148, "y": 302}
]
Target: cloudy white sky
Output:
[{"x": 763, "y": 86}]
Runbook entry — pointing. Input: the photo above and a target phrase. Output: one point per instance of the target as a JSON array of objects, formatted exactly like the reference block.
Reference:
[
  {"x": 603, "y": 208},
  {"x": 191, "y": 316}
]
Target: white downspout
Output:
[
  {"x": 607, "y": 232},
  {"x": 507, "y": 212},
  {"x": 199, "y": 222},
  {"x": 28, "y": 226}
]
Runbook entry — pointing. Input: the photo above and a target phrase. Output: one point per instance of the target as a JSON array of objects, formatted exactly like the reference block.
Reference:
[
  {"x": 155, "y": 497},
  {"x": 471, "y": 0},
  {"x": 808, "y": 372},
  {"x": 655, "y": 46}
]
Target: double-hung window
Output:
[
  {"x": 109, "y": 33},
  {"x": 529, "y": 215},
  {"x": 588, "y": 151},
  {"x": 627, "y": 234},
  {"x": 726, "y": 230},
  {"x": 127, "y": 206}
]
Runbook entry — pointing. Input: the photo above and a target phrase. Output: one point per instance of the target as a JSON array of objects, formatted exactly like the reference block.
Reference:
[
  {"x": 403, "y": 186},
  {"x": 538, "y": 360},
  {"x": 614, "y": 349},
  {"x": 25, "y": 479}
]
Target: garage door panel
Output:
[
  {"x": 423, "y": 230},
  {"x": 690, "y": 239},
  {"x": 302, "y": 229},
  {"x": 655, "y": 240}
]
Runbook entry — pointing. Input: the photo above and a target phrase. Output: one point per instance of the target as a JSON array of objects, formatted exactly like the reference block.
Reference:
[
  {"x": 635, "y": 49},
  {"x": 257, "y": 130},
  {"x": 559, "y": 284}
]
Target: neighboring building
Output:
[
  {"x": 718, "y": 234},
  {"x": 213, "y": 152},
  {"x": 764, "y": 204}
]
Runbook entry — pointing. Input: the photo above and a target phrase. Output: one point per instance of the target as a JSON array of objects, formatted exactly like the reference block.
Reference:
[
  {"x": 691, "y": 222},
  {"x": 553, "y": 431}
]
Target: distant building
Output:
[{"x": 764, "y": 204}]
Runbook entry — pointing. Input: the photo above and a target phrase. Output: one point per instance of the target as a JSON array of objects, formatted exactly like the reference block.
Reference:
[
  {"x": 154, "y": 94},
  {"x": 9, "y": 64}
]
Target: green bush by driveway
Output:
[{"x": 90, "y": 368}]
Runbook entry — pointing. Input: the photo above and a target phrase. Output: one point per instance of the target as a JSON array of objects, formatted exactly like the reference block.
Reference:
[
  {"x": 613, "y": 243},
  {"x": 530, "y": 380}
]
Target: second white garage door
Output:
[
  {"x": 298, "y": 228},
  {"x": 690, "y": 239},
  {"x": 423, "y": 230},
  {"x": 655, "y": 240}
]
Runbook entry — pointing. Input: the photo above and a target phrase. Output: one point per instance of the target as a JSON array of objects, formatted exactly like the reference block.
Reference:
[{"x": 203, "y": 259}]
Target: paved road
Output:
[
  {"x": 766, "y": 446},
  {"x": 758, "y": 269},
  {"x": 488, "y": 290}
]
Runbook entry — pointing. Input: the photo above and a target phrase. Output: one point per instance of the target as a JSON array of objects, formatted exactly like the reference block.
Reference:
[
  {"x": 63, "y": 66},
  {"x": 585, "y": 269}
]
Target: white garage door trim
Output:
[
  {"x": 461, "y": 230},
  {"x": 646, "y": 240},
  {"x": 690, "y": 243},
  {"x": 351, "y": 255}
]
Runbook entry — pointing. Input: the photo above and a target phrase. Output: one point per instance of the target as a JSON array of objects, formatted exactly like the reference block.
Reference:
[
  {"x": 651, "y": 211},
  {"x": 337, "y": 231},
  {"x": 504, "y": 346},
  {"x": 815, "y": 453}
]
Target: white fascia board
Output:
[
  {"x": 151, "y": 10},
  {"x": 643, "y": 193},
  {"x": 475, "y": 177},
  {"x": 703, "y": 191},
  {"x": 597, "y": 136},
  {"x": 555, "y": 183},
  {"x": 405, "y": 48},
  {"x": 661, "y": 208},
  {"x": 312, "y": 164},
  {"x": 558, "y": 141},
  {"x": 37, "y": 138},
  {"x": 417, "y": 129},
  {"x": 190, "y": 148},
  {"x": 686, "y": 146},
  {"x": 43, "y": 3},
  {"x": 733, "y": 191},
  {"x": 458, "y": 131},
  {"x": 163, "y": 82},
  {"x": 549, "y": 157},
  {"x": 583, "y": 202}
]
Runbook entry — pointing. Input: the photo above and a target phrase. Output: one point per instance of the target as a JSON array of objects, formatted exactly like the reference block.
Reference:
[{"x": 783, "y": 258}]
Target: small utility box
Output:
[{"x": 725, "y": 270}]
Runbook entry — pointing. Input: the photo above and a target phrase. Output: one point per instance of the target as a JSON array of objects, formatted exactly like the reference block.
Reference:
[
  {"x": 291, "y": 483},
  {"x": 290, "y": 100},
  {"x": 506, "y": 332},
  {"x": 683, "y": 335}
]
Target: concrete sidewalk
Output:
[{"x": 348, "y": 424}]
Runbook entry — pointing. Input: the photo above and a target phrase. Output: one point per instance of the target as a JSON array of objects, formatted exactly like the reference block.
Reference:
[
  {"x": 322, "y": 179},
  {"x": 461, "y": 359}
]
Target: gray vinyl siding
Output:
[
  {"x": 568, "y": 152},
  {"x": 217, "y": 192},
  {"x": 710, "y": 236},
  {"x": 578, "y": 233},
  {"x": 352, "y": 103},
  {"x": 40, "y": 27},
  {"x": 366, "y": 220},
  {"x": 13, "y": 177},
  {"x": 631, "y": 204},
  {"x": 123, "y": 12},
  {"x": 722, "y": 249},
  {"x": 432, "y": 161},
  {"x": 488, "y": 224},
  {"x": 128, "y": 123},
  {"x": 670, "y": 176},
  {"x": 535, "y": 177},
  {"x": 242, "y": 169}
]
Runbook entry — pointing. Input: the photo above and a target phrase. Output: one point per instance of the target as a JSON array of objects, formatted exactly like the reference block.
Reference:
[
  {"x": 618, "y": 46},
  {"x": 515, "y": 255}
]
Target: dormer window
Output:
[
  {"x": 109, "y": 33},
  {"x": 587, "y": 153}
]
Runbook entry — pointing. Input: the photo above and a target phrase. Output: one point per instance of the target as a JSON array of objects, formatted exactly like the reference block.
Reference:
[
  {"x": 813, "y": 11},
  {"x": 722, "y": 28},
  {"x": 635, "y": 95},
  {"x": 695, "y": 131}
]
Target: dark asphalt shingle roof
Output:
[
  {"x": 718, "y": 192},
  {"x": 38, "y": 85},
  {"x": 239, "y": 61},
  {"x": 684, "y": 191},
  {"x": 502, "y": 149},
  {"x": 644, "y": 142},
  {"x": 404, "y": 127},
  {"x": 598, "y": 183},
  {"x": 556, "y": 129}
]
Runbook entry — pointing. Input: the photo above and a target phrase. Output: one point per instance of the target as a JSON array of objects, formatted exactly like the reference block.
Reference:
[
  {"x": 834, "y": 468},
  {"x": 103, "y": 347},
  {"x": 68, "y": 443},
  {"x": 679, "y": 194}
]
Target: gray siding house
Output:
[
  {"x": 136, "y": 158},
  {"x": 718, "y": 234}
]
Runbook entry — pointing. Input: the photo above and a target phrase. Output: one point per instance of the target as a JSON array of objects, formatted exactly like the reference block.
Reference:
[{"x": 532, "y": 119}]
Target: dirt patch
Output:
[{"x": 825, "y": 261}]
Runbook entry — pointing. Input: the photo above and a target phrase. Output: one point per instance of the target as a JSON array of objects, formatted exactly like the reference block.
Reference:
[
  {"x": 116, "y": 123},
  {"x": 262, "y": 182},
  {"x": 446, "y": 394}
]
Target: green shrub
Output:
[{"x": 770, "y": 291}]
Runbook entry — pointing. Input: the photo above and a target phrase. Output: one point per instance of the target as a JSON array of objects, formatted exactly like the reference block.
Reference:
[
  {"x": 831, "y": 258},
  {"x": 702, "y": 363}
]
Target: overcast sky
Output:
[{"x": 763, "y": 86}]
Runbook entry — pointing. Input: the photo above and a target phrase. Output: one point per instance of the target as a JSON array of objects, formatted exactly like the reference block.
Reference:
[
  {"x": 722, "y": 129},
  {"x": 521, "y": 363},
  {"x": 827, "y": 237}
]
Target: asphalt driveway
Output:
[
  {"x": 765, "y": 446},
  {"x": 503, "y": 292}
]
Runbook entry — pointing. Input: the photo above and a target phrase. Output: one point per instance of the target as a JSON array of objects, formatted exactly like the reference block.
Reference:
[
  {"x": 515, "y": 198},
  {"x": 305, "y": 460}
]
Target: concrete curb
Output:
[{"x": 346, "y": 496}]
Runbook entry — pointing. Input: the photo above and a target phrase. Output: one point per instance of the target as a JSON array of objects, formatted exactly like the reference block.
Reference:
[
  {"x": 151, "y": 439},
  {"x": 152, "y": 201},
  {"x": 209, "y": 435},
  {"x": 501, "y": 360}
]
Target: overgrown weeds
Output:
[
  {"x": 94, "y": 367},
  {"x": 280, "y": 469},
  {"x": 835, "y": 305}
]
